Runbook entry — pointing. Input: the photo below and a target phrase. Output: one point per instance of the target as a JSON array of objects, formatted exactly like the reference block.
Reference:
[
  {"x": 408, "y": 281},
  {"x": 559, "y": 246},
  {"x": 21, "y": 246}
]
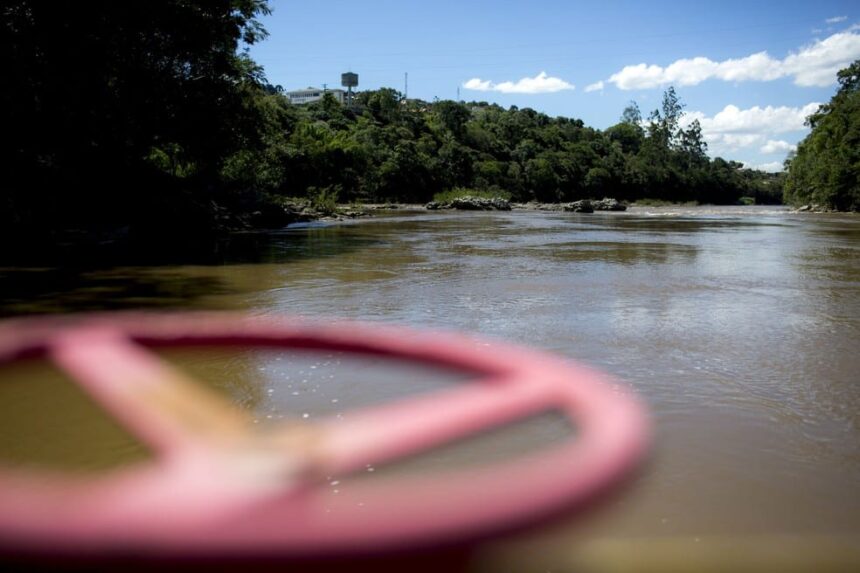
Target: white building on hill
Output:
[{"x": 309, "y": 95}]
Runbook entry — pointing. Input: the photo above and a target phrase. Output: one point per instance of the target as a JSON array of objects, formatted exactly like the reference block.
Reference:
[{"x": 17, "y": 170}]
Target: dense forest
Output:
[
  {"x": 826, "y": 169},
  {"x": 150, "y": 117},
  {"x": 388, "y": 148}
]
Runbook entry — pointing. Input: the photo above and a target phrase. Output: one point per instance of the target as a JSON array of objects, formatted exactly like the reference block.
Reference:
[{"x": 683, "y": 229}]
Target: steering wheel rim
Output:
[{"x": 188, "y": 502}]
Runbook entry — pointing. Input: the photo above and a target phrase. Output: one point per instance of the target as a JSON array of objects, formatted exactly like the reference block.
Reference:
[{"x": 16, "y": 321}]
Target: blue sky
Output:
[{"x": 748, "y": 71}]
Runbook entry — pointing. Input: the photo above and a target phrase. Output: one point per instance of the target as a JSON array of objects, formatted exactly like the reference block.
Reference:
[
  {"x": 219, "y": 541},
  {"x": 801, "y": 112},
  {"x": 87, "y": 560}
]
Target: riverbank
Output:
[
  {"x": 816, "y": 208},
  {"x": 169, "y": 241}
]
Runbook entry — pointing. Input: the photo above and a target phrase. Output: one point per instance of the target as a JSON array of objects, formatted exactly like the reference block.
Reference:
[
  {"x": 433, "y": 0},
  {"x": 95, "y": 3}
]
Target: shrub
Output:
[{"x": 456, "y": 192}]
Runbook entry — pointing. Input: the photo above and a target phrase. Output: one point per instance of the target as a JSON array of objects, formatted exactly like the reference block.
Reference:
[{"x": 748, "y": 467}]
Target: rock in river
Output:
[
  {"x": 581, "y": 206},
  {"x": 470, "y": 203},
  {"x": 608, "y": 204}
]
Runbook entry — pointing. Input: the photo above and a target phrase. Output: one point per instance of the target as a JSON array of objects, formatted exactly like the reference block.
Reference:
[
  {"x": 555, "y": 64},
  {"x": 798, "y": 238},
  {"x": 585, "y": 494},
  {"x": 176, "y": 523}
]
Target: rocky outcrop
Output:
[
  {"x": 535, "y": 206},
  {"x": 470, "y": 203},
  {"x": 581, "y": 206},
  {"x": 275, "y": 216},
  {"x": 608, "y": 204},
  {"x": 272, "y": 215},
  {"x": 813, "y": 208}
]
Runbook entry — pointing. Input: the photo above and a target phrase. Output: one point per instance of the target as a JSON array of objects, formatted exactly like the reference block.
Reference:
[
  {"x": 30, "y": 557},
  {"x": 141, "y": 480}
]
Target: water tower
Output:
[{"x": 349, "y": 80}]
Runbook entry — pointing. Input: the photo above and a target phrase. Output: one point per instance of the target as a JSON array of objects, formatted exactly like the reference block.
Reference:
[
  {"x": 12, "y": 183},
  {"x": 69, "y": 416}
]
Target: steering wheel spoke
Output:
[
  {"x": 160, "y": 404},
  {"x": 382, "y": 433}
]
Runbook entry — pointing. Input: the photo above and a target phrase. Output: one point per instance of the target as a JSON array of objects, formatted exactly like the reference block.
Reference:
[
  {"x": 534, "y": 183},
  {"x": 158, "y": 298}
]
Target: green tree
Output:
[
  {"x": 692, "y": 144},
  {"x": 542, "y": 179},
  {"x": 453, "y": 115},
  {"x": 382, "y": 104},
  {"x": 631, "y": 114},
  {"x": 628, "y": 135},
  {"x": 826, "y": 167},
  {"x": 121, "y": 108},
  {"x": 673, "y": 111}
]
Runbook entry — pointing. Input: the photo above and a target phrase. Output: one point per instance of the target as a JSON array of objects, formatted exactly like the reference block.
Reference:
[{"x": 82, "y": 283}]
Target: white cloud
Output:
[
  {"x": 595, "y": 87},
  {"x": 733, "y": 128},
  {"x": 541, "y": 83},
  {"x": 639, "y": 76},
  {"x": 780, "y": 119},
  {"x": 836, "y": 19},
  {"x": 478, "y": 84},
  {"x": 813, "y": 65},
  {"x": 759, "y": 66},
  {"x": 772, "y": 167},
  {"x": 816, "y": 65},
  {"x": 733, "y": 141},
  {"x": 777, "y": 146}
]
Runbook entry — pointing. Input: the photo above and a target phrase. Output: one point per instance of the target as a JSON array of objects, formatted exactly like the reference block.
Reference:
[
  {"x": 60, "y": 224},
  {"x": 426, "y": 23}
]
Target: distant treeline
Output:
[
  {"x": 150, "y": 116},
  {"x": 387, "y": 148}
]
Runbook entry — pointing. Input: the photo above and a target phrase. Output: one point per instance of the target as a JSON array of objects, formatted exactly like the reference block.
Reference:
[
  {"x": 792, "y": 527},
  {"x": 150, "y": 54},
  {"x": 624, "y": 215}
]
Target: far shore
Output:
[{"x": 355, "y": 210}]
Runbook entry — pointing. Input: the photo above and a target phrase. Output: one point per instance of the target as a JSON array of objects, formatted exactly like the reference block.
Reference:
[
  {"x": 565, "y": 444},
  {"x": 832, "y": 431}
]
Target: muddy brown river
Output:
[{"x": 739, "y": 326}]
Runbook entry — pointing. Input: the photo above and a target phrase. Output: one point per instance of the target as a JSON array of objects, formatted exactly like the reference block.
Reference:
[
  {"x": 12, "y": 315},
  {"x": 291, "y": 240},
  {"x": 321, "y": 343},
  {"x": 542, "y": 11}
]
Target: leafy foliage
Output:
[
  {"x": 386, "y": 148},
  {"x": 826, "y": 169},
  {"x": 149, "y": 115},
  {"x": 457, "y": 192},
  {"x": 113, "y": 111}
]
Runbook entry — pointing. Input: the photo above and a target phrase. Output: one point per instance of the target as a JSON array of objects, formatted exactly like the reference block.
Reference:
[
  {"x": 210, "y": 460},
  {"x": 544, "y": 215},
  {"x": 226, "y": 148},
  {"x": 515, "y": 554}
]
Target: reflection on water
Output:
[
  {"x": 164, "y": 279},
  {"x": 618, "y": 252},
  {"x": 36, "y": 291},
  {"x": 281, "y": 386},
  {"x": 48, "y": 422},
  {"x": 739, "y": 326}
]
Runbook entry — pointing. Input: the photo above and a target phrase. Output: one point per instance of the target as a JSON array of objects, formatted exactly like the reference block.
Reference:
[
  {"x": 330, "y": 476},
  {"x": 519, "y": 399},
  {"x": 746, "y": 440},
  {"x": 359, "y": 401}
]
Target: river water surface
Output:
[{"x": 740, "y": 327}]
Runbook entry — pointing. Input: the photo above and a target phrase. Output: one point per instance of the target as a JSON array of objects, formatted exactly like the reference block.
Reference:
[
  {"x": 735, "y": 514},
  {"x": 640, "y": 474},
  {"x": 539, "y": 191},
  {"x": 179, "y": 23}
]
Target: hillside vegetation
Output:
[
  {"x": 149, "y": 119},
  {"x": 389, "y": 149}
]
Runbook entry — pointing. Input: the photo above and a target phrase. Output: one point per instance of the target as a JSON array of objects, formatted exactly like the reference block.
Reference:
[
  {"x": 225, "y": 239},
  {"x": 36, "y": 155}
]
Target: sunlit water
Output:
[{"x": 739, "y": 326}]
